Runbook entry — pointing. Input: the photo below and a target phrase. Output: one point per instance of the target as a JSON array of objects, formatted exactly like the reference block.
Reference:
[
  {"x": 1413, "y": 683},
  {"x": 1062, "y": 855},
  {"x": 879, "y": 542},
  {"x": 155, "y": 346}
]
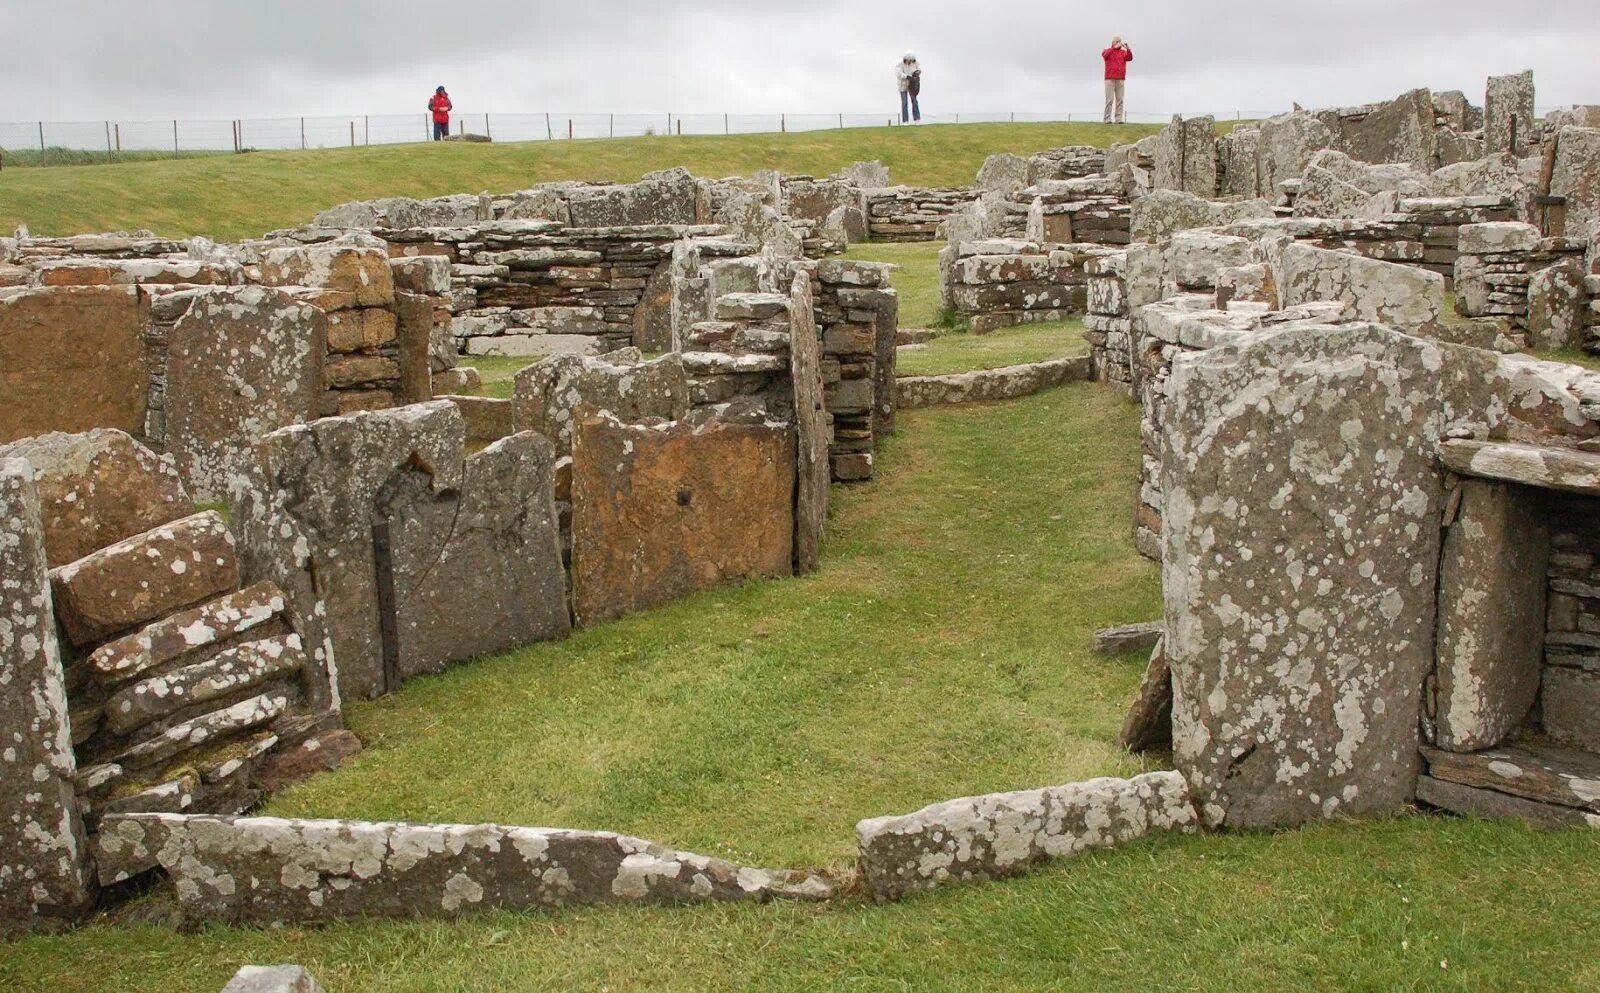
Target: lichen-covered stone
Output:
[
  {"x": 144, "y": 577},
  {"x": 1493, "y": 566},
  {"x": 659, "y": 512},
  {"x": 1401, "y": 296},
  {"x": 190, "y": 635},
  {"x": 1148, "y": 724},
  {"x": 915, "y": 392},
  {"x": 225, "y": 674},
  {"x": 44, "y": 870},
  {"x": 272, "y": 871},
  {"x": 1004, "y": 834},
  {"x": 547, "y": 395},
  {"x": 1303, "y": 500},
  {"x": 1508, "y": 114},
  {"x": 242, "y": 362},
  {"x": 98, "y": 488},
  {"x": 355, "y": 264}
]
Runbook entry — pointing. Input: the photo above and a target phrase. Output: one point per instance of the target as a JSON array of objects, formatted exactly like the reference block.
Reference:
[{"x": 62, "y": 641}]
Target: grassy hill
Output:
[{"x": 239, "y": 196}]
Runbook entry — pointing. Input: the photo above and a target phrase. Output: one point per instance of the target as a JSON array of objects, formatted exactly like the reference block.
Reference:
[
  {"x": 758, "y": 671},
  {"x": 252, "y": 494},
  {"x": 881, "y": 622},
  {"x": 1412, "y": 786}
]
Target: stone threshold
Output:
[
  {"x": 1009, "y": 383},
  {"x": 1547, "y": 787}
]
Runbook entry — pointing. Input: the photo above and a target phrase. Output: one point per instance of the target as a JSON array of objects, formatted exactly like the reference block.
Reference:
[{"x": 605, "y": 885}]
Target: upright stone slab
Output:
[
  {"x": 98, "y": 488},
  {"x": 242, "y": 362},
  {"x": 546, "y": 395},
  {"x": 1186, "y": 157},
  {"x": 306, "y": 519},
  {"x": 73, "y": 359},
  {"x": 485, "y": 574},
  {"x": 661, "y": 512},
  {"x": 44, "y": 870},
  {"x": 1508, "y": 114},
  {"x": 1301, "y": 532},
  {"x": 1576, "y": 176},
  {"x": 814, "y": 428},
  {"x": 1492, "y": 587}
]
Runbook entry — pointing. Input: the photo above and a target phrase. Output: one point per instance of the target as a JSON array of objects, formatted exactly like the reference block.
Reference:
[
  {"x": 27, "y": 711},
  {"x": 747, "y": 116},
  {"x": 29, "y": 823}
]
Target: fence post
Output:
[
  {"x": 548, "y": 134},
  {"x": 366, "y": 129},
  {"x": 174, "y": 136},
  {"x": 569, "y": 129},
  {"x": 783, "y": 123},
  {"x": 725, "y": 124},
  {"x": 108, "y": 137},
  {"x": 611, "y": 127},
  {"x": 427, "y": 128},
  {"x": 1013, "y": 117},
  {"x": 841, "y": 120},
  {"x": 117, "y": 130},
  {"x": 302, "y": 134},
  {"x": 486, "y": 132},
  {"x": 680, "y": 127},
  {"x": 41, "y": 136},
  {"x": 352, "y": 134}
]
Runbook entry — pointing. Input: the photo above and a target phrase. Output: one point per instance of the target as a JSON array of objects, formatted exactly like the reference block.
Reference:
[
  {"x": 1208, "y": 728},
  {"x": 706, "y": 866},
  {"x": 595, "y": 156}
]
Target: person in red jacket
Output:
[
  {"x": 440, "y": 104},
  {"x": 1117, "y": 58}
]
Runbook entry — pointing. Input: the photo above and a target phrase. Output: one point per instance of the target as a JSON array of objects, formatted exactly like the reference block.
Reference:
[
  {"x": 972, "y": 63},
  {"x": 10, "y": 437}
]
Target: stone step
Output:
[
  {"x": 189, "y": 635},
  {"x": 225, "y": 674},
  {"x": 1563, "y": 777}
]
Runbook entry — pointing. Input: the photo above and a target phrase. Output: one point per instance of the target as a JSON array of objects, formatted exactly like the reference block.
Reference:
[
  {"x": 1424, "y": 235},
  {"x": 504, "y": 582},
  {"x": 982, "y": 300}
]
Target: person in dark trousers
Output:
[
  {"x": 441, "y": 106},
  {"x": 909, "y": 75},
  {"x": 1117, "y": 58}
]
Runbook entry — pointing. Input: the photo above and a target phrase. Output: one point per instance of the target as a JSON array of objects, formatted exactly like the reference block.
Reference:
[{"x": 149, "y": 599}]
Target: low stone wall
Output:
[
  {"x": 995, "y": 283},
  {"x": 269, "y": 871},
  {"x": 1005, "y": 834},
  {"x": 912, "y": 214},
  {"x": 1009, "y": 383}
]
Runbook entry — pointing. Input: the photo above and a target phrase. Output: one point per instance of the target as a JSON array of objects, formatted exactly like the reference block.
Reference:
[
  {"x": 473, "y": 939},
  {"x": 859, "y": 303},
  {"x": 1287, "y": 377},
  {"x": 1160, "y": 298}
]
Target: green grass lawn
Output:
[
  {"x": 942, "y": 650},
  {"x": 240, "y": 196},
  {"x": 916, "y": 279},
  {"x": 499, "y": 373}
]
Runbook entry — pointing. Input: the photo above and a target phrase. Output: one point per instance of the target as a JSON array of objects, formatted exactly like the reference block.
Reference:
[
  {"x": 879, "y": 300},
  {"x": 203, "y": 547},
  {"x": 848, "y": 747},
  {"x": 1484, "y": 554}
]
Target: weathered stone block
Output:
[
  {"x": 1401, "y": 296},
  {"x": 241, "y": 363},
  {"x": 547, "y": 395},
  {"x": 45, "y": 879},
  {"x": 190, "y": 634},
  {"x": 1508, "y": 111},
  {"x": 72, "y": 359},
  {"x": 97, "y": 488},
  {"x": 358, "y": 265},
  {"x": 426, "y": 274},
  {"x": 1005, "y": 834},
  {"x": 272, "y": 979},
  {"x": 1488, "y": 657},
  {"x": 1148, "y": 725},
  {"x": 1571, "y": 707},
  {"x": 225, "y": 674},
  {"x": 146, "y": 576},
  {"x": 813, "y": 428},
  {"x": 661, "y": 512},
  {"x": 270, "y": 871}
]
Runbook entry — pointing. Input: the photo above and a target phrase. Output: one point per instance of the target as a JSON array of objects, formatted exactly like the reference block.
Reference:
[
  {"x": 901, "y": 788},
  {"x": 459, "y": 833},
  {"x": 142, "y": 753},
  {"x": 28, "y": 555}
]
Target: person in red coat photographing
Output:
[
  {"x": 1117, "y": 58},
  {"x": 441, "y": 106}
]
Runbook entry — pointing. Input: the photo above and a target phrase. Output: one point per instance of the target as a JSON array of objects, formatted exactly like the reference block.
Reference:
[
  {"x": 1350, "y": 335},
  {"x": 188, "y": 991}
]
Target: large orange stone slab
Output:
[
  {"x": 662, "y": 512},
  {"x": 72, "y": 359}
]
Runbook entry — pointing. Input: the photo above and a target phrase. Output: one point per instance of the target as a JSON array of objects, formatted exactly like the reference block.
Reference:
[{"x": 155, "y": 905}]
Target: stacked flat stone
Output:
[
  {"x": 1001, "y": 282},
  {"x": 180, "y": 683},
  {"x": 902, "y": 213},
  {"x": 1108, "y": 326},
  {"x": 1571, "y": 677},
  {"x": 857, "y": 312},
  {"x": 1496, "y": 266}
]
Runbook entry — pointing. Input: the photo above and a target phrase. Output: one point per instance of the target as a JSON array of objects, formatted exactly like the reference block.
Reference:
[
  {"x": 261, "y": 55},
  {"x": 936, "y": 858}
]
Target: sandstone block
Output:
[
  {"x": 146, "y": 576},
  {"x": 661, "y": 512},
  {"x": 191, "y": 635},
  {"x": 359, "y": 266},
  {"x": 97, "y": 488},
  {"x": 79, "y": 343}
]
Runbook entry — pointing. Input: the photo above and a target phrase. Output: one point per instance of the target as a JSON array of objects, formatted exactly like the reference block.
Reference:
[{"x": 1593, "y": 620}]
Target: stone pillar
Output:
[
  {"x": 1508, "y": 114},
  {"x": 44, "y": 869},
  {"x": 1492, "y": 586}
]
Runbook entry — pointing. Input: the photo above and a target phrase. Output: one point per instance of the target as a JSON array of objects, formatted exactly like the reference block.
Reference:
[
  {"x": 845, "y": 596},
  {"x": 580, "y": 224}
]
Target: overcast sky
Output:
[{"x": 71, "y": 60}]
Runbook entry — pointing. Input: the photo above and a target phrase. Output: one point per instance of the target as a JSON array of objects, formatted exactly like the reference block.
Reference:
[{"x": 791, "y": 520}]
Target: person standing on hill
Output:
[
  {"x": 1116, "y": 58},
  {"x": 441, "y": 106},
  {"x": 909, "y": 75}
]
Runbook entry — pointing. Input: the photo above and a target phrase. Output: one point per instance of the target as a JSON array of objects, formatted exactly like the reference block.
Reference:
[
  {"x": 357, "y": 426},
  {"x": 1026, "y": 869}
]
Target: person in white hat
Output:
[{"x": 909, "y": 75}]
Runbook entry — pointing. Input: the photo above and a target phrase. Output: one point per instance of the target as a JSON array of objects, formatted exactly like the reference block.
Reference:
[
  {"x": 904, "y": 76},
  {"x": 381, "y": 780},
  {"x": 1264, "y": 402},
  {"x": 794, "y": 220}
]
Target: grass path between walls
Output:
[{"x": 942, "y": 650}]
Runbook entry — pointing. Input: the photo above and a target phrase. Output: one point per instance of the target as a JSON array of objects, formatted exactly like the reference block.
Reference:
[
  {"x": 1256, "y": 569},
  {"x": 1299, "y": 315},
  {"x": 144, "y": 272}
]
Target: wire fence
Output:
[{"x": 385, "y": 129}]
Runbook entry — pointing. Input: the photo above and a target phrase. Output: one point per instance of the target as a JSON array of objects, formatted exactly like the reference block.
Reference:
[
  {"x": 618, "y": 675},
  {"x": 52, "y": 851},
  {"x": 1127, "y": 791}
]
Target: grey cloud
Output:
[{"x": 81, "y": 60}]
